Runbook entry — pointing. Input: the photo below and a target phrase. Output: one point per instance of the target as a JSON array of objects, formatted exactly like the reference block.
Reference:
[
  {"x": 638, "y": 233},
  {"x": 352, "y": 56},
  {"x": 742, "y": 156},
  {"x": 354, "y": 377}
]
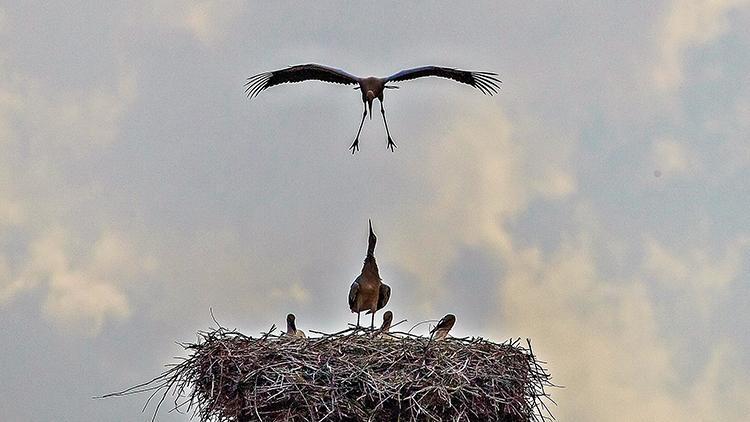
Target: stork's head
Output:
[
  {"x": 290, "y": 323},
  {"x": 387, "y": 318},
  {"x": 446, "y": 323}
]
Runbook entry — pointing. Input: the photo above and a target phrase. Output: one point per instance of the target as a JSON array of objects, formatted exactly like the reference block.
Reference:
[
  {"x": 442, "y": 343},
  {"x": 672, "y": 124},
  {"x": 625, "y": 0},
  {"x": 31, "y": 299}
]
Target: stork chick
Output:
[
  {"x": 383, "y": 331},
  {"x": 440, "y": 332},
  {"x": 291, "y": 327},
  {"x": 387, "y": 320}
]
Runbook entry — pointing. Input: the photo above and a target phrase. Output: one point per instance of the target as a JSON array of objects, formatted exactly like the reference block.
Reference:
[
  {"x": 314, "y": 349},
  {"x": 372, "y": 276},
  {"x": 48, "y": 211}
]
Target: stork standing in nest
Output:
[
  {"x": 367, "y": 292},
  {"x": 371, "y": 87}
]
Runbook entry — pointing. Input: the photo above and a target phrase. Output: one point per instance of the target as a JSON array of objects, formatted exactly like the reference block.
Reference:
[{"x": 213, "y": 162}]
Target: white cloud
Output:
[
  {"x": 600, "y": 338},
  {"x": 703, "y": 277},
  {"x": 42, "y": 130},
  {"x": 295, "y": 292},
  {"x": 603, "y": 341},
  {"x": 672, "y": 158},
  {"x": 83, "y": 303},
  {"x": 718, "y": 393},
  {"x": 482, "y": 177},
  {"x": 9, "y": 287},
  {"x": 85, "y": 288},
  {"x": 207, "y": 21},
  {"x": 687, "y": 24}
]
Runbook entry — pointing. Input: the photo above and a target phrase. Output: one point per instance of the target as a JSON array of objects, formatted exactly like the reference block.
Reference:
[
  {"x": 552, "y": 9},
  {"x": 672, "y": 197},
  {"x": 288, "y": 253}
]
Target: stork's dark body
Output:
[
  {"x": 371, "y": 87},
  {"x": 374, "y": 85},
  {"x": 368, "y": 293}
]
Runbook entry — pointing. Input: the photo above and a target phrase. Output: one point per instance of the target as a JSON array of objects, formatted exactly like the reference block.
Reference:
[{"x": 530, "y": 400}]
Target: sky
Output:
[{"x": 597, "y": 205}]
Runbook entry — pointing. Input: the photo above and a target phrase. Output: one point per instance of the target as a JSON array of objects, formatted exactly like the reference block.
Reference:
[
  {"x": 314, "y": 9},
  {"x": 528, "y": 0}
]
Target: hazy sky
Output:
[{"x": 598, "y": 205}]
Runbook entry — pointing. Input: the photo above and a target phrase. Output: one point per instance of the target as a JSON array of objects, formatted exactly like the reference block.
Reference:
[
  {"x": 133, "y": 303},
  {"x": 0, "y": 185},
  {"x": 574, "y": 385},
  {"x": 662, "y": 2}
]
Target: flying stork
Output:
[
  {"x": 367, "y": 292},
  {"x": 371, "y": 87}
]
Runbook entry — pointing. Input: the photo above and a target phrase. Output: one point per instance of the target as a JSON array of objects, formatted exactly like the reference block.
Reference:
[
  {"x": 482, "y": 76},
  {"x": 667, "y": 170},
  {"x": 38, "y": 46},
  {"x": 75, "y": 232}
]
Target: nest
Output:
[{"x": 353, "y": 376}]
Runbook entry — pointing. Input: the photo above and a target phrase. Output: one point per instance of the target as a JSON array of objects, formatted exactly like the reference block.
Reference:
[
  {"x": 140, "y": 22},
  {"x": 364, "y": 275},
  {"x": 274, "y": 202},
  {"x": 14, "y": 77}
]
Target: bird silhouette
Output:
[
  {"x": 367, "y": 292},
  {"x": 370, "y": 87},
  {"x": 291, "y": 327},
  {"x": 440, "y": 332},
  {"x": 387, "y": 320}
]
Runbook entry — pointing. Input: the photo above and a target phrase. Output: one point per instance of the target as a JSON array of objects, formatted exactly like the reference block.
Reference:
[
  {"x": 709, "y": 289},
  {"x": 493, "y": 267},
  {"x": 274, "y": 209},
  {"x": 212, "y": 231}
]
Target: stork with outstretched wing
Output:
[{"x": 370, "y": 87}]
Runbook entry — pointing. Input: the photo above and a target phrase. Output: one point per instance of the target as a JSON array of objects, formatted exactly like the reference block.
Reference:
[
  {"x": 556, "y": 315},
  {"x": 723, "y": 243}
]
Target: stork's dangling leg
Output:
[
  {"x": 372, "y": 322},
  {"x": 391, "y": 145},
  {"x": 355, "y": 145},
  {"x": 357, "y": 319}
]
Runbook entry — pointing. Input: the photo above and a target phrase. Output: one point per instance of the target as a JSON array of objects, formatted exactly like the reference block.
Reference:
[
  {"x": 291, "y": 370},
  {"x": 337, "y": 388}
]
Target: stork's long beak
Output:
[{"x": 370, "y": 221}]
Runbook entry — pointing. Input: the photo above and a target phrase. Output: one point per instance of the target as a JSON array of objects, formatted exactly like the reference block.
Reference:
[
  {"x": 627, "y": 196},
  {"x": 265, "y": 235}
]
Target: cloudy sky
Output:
[{"x": 597, "y": 205}]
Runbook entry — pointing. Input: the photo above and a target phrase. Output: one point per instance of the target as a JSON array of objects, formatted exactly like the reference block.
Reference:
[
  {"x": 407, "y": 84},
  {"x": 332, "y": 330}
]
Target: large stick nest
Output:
[{"x": 354, "y": 376}]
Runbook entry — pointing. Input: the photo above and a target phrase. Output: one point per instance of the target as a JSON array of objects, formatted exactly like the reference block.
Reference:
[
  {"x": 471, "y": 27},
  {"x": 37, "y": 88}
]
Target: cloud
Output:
[
  {"x": 296, "y": 292},
  {"x": 688, "y": 24},
  {"x": 43, "y": 129},
  {"x": 481, "y": 178},
  {"x": 9, "y": 288},
  {"x": 82, "y": 303},
  {"x": 672, "y": 158},
  {"x": 600, "y": 338},
  {"x": 718, "y": 393},
  {"x": 85, "y": 287},
  {"x": 604, "y": 343},
  {"x": 44, "y": 132},
  {"x": 207, "y": 21},
  {"x": 703, "y": 277},
  {"x": 12, "y": 212}
]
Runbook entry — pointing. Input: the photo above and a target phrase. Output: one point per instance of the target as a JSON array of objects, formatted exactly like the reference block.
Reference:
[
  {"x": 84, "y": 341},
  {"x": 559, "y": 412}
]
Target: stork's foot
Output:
[
  {"x": 355, "y": 146},
  {"x": 391, "y": 145}
]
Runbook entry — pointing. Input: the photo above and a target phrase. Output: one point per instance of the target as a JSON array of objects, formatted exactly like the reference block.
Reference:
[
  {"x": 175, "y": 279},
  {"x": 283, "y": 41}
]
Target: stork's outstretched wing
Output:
[
  {"x": 484, "y": 81},
  {"x": 303, "y": 72}
]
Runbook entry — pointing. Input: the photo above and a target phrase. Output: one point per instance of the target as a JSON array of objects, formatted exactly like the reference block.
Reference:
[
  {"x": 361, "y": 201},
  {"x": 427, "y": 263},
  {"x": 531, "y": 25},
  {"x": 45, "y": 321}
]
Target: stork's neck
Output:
[{"x": 371, "y": 267}]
